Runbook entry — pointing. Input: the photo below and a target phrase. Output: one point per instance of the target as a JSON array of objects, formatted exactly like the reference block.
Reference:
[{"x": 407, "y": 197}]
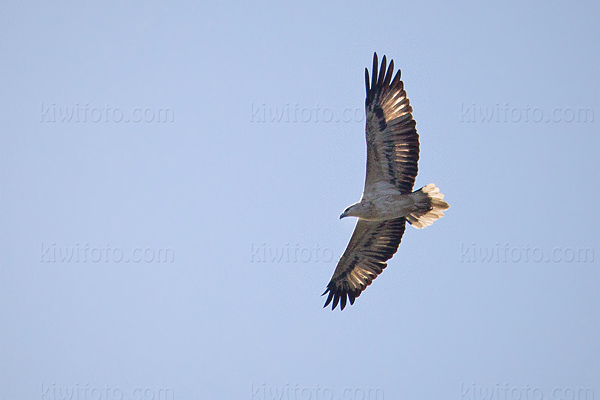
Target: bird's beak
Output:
[{"x": 343, "y": 215}]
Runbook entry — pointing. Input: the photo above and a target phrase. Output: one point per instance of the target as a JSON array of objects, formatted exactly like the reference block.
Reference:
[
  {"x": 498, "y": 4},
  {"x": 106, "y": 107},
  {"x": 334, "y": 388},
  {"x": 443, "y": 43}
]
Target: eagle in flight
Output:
[{"x": 388, "y": 200}]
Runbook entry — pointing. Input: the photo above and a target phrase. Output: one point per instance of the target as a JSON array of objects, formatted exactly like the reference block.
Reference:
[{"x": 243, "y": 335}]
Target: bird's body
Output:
[
  {"x": 383, "y": 207},
  {"x": 388, "y": 201},
  {"x": 391, "y": 204}
]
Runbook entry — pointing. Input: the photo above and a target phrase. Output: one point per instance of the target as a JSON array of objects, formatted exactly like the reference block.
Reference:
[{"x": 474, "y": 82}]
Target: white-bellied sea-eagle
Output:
[{"x": 388, "y": 200}]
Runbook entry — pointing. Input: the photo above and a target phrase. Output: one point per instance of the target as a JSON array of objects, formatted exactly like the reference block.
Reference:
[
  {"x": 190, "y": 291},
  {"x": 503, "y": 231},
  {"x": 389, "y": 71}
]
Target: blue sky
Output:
[{"x": 182, "y": 254}]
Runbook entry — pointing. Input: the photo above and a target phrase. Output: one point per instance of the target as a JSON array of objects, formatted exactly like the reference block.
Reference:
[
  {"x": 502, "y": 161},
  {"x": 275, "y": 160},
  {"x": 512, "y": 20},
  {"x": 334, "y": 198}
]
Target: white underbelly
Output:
[{"x": 392, "y": 206}]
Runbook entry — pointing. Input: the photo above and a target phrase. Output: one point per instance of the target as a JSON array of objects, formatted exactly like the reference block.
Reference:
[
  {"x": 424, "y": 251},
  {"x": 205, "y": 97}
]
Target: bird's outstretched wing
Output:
[
  {"x": 371, "y": 245},
  {"x": 392, "y": 139}
]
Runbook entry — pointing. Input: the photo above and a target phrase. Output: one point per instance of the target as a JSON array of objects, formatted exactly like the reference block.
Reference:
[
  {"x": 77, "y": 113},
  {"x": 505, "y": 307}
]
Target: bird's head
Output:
[
  {"x": 355, "y": 210},
  {"x": 346, "y": 213}
]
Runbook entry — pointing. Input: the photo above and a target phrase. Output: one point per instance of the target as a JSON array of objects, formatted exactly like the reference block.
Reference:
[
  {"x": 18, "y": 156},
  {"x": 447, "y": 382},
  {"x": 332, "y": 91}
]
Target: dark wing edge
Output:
[
  {"x": 392, "y": 139},
  {"x": 371, "y": 245},
  {"x": 380, "y": 80}
]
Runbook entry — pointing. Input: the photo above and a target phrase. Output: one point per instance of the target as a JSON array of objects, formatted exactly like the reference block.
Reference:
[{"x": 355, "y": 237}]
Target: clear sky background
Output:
[{"x": 498, "y": 298}]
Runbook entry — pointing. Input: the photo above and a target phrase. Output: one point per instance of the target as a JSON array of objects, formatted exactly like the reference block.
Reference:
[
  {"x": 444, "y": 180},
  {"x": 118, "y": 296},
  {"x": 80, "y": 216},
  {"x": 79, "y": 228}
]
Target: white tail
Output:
[{"x": 430, "y": 206}]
